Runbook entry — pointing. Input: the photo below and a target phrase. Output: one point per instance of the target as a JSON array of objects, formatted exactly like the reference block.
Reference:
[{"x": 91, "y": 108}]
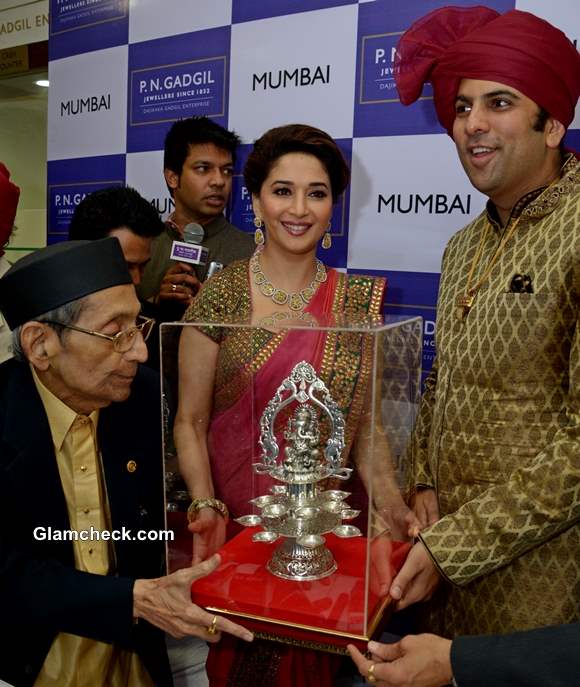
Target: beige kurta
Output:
[{"x": 499, "y": 429}]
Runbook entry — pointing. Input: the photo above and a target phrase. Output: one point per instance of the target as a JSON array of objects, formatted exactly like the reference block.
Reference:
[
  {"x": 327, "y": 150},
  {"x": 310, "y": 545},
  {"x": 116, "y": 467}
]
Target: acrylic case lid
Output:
[{"x": 302, "y": 428}]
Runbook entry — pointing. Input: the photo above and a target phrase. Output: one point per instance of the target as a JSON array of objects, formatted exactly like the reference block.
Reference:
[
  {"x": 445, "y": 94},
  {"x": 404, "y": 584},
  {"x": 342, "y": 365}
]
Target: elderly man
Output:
[
  {"x": 496, "y": 454},
  {"x": 81, "y": 480}
]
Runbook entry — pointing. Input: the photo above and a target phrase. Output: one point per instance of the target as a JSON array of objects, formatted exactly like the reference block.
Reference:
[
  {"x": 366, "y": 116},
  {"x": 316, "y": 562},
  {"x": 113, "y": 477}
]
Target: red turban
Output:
[
  {"x": 516, "y": 49},
  {"x": 9, "y": 194}
]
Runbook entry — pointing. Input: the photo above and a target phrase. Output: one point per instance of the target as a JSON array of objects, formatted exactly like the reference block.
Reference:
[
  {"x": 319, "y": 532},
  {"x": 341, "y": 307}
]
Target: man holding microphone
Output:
[{"x": 198, "y": 162}]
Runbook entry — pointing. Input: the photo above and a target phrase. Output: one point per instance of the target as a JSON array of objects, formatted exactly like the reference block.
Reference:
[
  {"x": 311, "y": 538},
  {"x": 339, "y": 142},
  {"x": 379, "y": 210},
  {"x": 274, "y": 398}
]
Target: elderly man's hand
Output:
[
  {"x": 416, "y": 580},
  {"x": 166, "y": 603},
  {"x": 415, "y": 661}
]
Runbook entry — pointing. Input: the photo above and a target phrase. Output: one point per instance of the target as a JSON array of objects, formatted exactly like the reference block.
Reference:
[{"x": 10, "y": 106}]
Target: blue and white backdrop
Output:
[{"x": 121, "y": 71}]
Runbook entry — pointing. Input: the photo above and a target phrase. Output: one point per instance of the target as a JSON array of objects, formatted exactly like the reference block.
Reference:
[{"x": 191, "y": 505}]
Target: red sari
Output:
[{"x": 251, "y": 365}]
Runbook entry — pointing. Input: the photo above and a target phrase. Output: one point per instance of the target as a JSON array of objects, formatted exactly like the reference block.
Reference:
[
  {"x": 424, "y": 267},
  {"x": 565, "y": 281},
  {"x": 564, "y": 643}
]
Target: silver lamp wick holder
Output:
[{"x": 298, "y": 509}]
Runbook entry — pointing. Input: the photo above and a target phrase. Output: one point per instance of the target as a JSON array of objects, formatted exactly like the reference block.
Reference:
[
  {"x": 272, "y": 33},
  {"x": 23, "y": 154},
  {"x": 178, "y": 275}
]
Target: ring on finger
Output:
[
  {"x": 174, "y": 287},
  {"x": 212, "y": 629},
  {"x": 371, "y": 677}
]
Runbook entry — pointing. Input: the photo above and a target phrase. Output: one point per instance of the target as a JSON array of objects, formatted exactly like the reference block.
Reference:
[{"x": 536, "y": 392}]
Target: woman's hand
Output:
[
  {"x": 395, "y": 519},
  {"x": 209, "y": 534},
  {"x": 381, "y": 572}
]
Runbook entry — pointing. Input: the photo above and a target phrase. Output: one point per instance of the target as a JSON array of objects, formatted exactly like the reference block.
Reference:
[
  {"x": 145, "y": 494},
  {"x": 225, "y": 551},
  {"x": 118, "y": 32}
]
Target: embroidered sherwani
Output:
[{"x": 499, "y": 429}]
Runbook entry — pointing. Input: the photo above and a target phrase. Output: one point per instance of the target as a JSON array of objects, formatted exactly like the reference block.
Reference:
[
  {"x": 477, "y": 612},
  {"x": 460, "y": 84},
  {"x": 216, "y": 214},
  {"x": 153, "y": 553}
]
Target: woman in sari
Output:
[{"x": 228, "y": 375}]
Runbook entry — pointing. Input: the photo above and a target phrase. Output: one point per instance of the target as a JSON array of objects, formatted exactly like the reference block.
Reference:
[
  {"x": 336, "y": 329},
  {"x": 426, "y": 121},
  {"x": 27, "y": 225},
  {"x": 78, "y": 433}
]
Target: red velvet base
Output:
[{"x": 328, "y": 611}]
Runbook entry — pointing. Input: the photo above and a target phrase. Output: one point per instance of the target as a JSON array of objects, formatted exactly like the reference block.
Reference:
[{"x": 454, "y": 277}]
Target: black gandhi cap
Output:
[{"x": 59, "y": 274}]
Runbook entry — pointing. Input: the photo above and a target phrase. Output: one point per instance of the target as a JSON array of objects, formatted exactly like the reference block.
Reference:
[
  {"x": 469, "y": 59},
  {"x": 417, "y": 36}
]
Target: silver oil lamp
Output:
[{"x": 299, "y": 509}]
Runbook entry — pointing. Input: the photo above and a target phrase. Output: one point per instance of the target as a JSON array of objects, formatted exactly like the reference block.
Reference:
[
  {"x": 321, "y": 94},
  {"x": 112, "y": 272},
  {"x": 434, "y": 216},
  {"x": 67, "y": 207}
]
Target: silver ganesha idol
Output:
[{"x": 299, "y": 510}]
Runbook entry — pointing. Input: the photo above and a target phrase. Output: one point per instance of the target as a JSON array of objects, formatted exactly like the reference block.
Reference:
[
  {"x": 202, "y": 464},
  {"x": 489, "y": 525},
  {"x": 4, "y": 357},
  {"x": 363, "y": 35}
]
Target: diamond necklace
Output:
[{"x": 295, "y": 300}]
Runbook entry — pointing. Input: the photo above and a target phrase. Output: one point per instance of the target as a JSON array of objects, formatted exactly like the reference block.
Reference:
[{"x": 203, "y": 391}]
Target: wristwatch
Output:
[{"x": 197, "y": 504}]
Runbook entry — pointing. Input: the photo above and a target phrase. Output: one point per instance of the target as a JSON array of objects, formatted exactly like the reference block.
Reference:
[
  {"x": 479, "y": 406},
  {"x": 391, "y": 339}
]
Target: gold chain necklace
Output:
[
  {"x": 465, "y": 302},
  {"x": 295, "y": 300}
]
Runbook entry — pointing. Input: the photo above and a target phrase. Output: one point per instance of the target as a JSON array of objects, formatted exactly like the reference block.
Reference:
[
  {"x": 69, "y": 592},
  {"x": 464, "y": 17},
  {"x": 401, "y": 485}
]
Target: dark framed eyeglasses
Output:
[{"x": 124, "y": 340}]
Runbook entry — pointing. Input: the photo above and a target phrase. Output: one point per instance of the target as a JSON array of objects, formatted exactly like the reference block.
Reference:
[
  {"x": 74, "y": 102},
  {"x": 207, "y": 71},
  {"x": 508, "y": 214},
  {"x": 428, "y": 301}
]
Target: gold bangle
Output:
[{"x": 197, "y": 504}]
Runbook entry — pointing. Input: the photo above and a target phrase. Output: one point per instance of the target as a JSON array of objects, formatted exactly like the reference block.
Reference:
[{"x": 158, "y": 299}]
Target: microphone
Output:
[
  {"x": 189, "y": 250},
  {"x": 193, "y": 233}
]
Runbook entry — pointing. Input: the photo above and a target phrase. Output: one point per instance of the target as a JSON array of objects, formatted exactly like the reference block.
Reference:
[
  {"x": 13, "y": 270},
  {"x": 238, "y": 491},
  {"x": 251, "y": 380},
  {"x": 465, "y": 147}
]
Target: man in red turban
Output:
[
  {"x": 9, "y": 194},
  {"x": 496, "y": 448}
]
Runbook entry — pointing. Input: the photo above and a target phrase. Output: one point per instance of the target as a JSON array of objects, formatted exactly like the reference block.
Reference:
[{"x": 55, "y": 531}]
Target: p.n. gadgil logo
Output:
[
  {"x": 176, "y": 91},
  {"x": 377, "y": 71},
  {"x": 64, "y": 198},
  {"x": 377, "y": 82},
  {"x": 67, "y": 15}
]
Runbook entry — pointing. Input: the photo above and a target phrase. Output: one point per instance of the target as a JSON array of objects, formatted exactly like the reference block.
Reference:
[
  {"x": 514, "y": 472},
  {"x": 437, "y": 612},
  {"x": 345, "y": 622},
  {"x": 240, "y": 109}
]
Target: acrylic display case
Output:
[{"x": 302, "y": 427}]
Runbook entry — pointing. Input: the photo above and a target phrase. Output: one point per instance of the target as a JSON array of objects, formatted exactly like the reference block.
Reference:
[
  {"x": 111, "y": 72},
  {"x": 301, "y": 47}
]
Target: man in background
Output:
[
  {"x": 120, "y": 212},
  {"x": 199, "y": 157},
  {"x": 123, "y": 213},
  {"x": 9, "y": 194},
  {"x": 496, "y": 449}
]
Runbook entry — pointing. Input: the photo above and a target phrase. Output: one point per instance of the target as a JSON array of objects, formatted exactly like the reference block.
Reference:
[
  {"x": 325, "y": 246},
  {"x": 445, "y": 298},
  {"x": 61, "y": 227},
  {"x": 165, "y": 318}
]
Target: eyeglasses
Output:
[{"x": 124, "y": 340}]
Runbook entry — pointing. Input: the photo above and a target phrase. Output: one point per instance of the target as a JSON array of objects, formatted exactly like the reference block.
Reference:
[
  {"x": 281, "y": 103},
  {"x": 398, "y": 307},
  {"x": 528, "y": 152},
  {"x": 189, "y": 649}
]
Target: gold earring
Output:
[
  {"x": 258, "y": 234},
  {"x": 327, "y": 240}
]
